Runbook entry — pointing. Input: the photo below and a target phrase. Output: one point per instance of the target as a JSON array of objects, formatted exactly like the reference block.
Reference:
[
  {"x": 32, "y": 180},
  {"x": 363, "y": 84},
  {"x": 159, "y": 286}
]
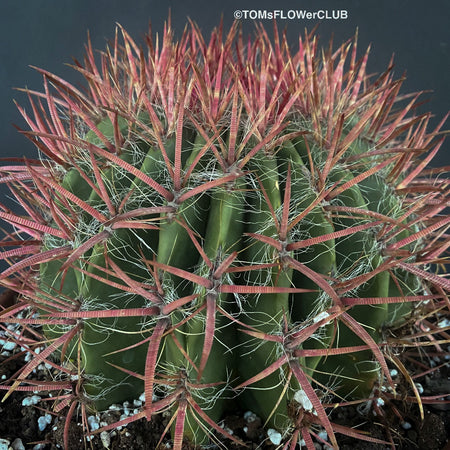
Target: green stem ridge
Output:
[
  {"x": 223, "y": 226},
  {"x": 231, "y": 225}
]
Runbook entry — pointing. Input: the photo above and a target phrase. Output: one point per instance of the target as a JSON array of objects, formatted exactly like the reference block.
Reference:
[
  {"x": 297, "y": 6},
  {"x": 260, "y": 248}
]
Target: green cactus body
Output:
[
  {"x": 354, "y": 253},
  {"x": 232, "y": 216},
  {"x": 96, "y": 349},
  {"x": 176, "y": 248},
  {"x": 320, "y": 257},
  {"x": 264, "y": 312},
  {"x": 381, "y": 199},
  {"x": 222, "y": 237}
]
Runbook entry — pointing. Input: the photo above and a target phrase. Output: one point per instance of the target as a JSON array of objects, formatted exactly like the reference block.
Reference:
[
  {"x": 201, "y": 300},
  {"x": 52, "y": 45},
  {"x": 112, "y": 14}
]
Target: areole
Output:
[{"x": 219, "y": 222}]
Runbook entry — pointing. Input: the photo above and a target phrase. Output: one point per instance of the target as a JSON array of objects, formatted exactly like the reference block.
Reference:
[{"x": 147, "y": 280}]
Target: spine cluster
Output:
[{"x": 224, "y": 223}]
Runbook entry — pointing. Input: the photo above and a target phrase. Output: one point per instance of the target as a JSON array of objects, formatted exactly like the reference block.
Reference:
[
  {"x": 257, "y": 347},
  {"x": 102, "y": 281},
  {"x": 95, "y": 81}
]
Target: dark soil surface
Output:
[
  {"x": 396, "y": 420},
  {"x": 19, "y": 422}
]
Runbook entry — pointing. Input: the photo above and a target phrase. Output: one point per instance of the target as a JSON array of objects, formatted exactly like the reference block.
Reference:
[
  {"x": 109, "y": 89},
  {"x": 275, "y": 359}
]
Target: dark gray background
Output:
[{"x": 48, "y": 33}]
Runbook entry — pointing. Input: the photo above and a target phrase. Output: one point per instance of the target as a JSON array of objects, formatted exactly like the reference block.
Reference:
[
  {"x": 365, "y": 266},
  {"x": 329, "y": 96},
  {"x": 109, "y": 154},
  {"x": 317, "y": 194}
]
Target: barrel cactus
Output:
[{"x": 222, "y": 224}]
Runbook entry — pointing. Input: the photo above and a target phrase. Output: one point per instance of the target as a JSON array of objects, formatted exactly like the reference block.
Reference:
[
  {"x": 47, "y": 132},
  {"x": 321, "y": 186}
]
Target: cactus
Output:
[{"x": 220, "y": 224}]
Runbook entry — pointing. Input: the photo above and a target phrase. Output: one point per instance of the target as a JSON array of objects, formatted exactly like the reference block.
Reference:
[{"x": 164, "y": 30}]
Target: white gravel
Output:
[{"x": 274, "y": 436}]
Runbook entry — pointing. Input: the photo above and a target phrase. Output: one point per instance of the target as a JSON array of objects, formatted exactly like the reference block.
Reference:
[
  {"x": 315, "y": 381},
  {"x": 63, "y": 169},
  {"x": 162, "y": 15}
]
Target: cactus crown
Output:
[{"x": 223, "y": 220}]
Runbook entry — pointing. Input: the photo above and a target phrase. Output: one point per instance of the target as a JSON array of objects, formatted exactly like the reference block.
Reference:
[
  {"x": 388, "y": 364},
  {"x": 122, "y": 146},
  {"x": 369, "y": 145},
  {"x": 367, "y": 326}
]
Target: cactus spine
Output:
[{"x": 220, "y": 224}]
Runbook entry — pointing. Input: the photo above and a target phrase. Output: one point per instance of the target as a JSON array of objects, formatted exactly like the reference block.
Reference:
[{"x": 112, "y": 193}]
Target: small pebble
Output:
[
  {"x": 43, "y": 421},
  {"x": 394, "y": 372},
  {"x": 249, "y": 416},
  {"x": 444, "y": 323},
  {"x": 17, "y": 444},
  {"x": 301, "y": 398},
  {"x": 33, "y": 400},
  {"x": 105, "y": 438},
  {"x": 323, "y": 435},
  {"x": 93, "y": 422},
  {"x": 406, "y": 425},
  {"x": 9, "y": 346},
  {"x": 274, "y": 436},
  {"x": 4, "y": 444},
  {"x": 419, "y": 388}
]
